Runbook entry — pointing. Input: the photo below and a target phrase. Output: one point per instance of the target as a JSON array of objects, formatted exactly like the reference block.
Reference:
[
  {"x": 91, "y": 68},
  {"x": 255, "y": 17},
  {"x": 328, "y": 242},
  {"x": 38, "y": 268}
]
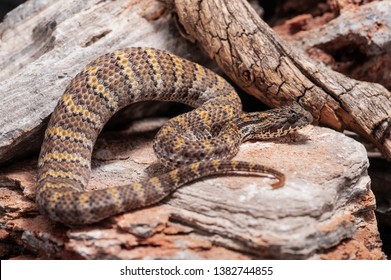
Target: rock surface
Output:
[{"x": 325, "y": 210}]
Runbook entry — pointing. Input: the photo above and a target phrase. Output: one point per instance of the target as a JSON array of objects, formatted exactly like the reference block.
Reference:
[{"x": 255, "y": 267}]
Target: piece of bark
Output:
[
  {"x": 32, "y": 90},
  {"x": 354, "y": 43},
  {"x": 44, "y": 44},
  {"x": 291, "y": 17},
  {"x": 325, "y": 210},
  {"x": 251, "y": 54}
]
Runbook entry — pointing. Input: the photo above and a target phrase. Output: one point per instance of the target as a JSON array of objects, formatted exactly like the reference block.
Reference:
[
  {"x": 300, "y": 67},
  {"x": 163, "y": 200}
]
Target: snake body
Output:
[{"x": 195, "y": 144}]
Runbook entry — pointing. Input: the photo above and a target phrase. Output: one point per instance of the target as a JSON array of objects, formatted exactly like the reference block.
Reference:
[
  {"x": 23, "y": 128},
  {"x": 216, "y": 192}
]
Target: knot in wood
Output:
[{"x": 246, "y": 75}]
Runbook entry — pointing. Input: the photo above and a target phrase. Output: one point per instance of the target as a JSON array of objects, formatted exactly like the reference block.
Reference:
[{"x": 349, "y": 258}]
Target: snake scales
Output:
[{"x": 196, "y": 144}]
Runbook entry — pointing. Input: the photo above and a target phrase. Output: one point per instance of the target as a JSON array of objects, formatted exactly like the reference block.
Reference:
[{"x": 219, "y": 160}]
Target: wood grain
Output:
[{"x": 250, "y": 53}]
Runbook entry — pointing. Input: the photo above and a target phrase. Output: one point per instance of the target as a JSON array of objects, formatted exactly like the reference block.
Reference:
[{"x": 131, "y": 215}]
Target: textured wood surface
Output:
[
  {"x": 43, "y": 44},
  {"x": 355, "y": 43},
  {"x": 325, "y": 211},
  {"x": 250, "y": 53}
]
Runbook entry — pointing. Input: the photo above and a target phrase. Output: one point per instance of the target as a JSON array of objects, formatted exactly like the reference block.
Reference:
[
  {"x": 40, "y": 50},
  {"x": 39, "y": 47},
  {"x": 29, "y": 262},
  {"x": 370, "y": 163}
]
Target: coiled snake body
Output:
[{"x": 196, "y": 144}]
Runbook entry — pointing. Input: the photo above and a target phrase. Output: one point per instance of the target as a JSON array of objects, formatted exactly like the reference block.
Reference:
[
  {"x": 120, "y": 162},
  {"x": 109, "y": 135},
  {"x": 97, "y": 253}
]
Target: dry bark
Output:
[
  {"x": 325, "y": 211},
  {"x": 249, "y": 52},
  {"x": 44, "y": 44},
  {"x": 352, "y": 43}
]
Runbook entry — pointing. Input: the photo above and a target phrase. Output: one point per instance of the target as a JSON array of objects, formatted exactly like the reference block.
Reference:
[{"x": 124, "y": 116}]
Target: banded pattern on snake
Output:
[{"x": 199, "y": 143}]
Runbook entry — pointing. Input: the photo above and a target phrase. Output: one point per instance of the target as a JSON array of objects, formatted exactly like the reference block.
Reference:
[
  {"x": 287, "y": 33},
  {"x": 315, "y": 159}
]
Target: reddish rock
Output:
[{"x": 325, "y": 210}]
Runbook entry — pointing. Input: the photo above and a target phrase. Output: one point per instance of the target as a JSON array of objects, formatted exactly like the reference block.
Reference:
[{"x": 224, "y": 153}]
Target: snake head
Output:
[{"x": 273, "y": 123}]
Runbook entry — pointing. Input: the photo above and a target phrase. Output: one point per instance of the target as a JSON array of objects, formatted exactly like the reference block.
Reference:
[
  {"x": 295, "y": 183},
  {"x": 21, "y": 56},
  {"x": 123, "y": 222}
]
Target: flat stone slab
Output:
[{"x": 325, "y": 209}]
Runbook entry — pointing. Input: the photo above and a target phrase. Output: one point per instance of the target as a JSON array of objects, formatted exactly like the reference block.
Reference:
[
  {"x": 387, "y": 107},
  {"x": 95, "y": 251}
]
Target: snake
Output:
[{"x": 193, "y": 145}]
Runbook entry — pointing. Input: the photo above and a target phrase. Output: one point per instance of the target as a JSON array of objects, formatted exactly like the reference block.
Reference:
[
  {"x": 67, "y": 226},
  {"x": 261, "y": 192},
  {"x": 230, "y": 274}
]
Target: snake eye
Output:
[{"x": 293, "y": 117}]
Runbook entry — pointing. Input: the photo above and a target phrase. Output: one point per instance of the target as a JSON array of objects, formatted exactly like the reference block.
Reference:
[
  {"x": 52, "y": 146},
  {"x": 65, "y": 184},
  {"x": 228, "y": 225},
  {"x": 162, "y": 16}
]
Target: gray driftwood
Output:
[
  {"x": 324, "y": 211},
  {"x": 44, "y": 44}
]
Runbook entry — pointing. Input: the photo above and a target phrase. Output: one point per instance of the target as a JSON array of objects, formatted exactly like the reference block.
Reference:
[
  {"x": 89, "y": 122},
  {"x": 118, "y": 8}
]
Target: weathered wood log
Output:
[
  {"x": 355, "y": 43},
  {"x": 324, "y": 211},
  {"x": 249, "y": 52},
  {"x": 54, "y": 41}
]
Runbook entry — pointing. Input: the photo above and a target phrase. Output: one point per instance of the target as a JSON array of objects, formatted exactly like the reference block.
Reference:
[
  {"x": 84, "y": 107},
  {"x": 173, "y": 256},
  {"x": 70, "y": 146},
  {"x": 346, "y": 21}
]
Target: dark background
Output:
[{"x": 8, "y": 5}]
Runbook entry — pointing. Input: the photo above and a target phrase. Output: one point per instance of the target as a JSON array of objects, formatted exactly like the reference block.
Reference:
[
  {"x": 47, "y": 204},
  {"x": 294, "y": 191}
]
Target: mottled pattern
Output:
[{"x": 195, "y": 144}]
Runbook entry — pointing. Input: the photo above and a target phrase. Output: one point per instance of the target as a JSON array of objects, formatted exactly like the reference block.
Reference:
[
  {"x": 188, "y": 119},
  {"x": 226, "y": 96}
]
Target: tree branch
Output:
[{"x": 257, "y": 60}]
